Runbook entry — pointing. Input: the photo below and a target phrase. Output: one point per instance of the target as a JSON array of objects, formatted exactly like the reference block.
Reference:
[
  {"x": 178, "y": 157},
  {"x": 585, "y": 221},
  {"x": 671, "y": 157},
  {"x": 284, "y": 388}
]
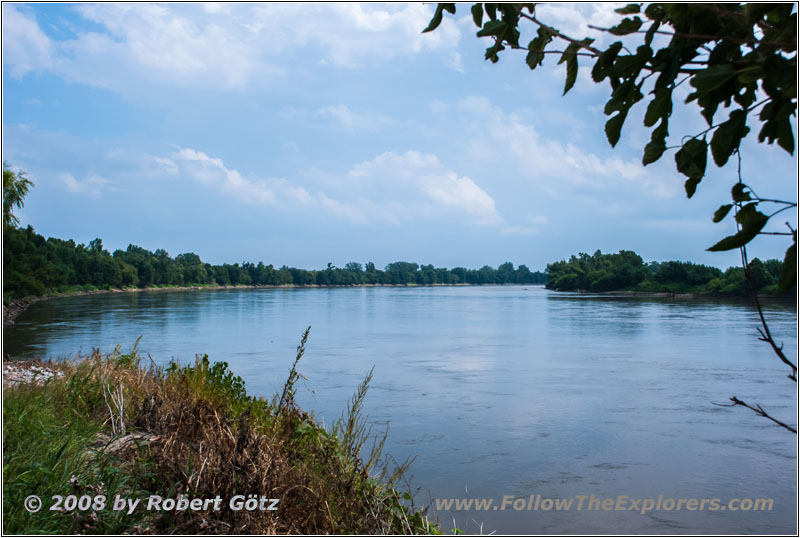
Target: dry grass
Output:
[{"x": 194, "y": 431}]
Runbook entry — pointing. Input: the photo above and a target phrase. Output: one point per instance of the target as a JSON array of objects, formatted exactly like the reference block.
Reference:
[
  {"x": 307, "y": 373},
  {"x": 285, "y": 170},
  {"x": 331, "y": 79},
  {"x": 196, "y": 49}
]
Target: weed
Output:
[{"x": 194, "y": 430}]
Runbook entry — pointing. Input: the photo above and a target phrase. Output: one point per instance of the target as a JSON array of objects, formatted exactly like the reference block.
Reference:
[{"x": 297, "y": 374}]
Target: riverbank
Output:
[
  {"x": 106, "y": 425},
  {"x": 679, "y": 295}
]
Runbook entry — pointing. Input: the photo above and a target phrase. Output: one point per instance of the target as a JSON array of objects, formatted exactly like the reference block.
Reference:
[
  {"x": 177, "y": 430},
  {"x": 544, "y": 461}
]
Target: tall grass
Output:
[{"x": 111, "y": 425}]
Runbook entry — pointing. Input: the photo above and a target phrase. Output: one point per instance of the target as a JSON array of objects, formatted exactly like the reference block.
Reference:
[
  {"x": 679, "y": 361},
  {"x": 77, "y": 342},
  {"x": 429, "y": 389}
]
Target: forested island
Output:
[
  {"x": 626, "y": 271},
  {"x": 35, "y": 266}
]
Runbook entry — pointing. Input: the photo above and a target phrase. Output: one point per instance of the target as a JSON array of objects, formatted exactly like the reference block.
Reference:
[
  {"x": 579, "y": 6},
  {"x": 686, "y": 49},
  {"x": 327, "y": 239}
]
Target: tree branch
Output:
[
  {"x": 556, "y": 33},
  {"x": 760, "y": 411},
  {"x": 739, "y": 40},
  {"x": 766, "y": 335}
]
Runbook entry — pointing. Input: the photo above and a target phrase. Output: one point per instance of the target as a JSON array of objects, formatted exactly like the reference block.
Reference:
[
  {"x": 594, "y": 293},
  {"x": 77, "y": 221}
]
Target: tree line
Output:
[
  {"x": 35, "y": 266},
  {"x": 627, "y": 271}
]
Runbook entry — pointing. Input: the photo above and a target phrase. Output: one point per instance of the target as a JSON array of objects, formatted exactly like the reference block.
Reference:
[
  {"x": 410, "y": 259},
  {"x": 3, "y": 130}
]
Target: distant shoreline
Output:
[{"x": 15, "y": 308}]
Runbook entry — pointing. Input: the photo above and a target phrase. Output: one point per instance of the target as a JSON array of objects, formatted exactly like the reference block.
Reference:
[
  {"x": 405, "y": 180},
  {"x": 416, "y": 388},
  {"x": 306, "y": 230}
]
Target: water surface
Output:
[{"x": 500, "y": 390}]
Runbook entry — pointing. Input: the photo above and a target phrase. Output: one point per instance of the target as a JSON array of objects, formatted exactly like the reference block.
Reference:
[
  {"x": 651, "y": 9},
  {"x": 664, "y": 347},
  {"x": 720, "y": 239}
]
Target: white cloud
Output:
[
  {"x": 212, "y": 171},
  {"x": 463, "y": 193},
  {"x": 25, "y": 46},
  {"x": 391, "y": 188},
  {"x": 573, "y": 19},
  {"x": 92, "y": 186},
  {"x": 558, "y": 168},
  {"x": 406, "y": 176},
  {"x": 213, "y": 46},
  {"x": 354, "y": 34}
]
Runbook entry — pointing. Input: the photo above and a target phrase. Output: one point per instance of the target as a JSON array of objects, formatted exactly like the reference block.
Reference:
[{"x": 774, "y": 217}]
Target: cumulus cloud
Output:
[
  {"x": 408, "y": 175},
  {"x": 559, "y": 168},
  {"x": 212, "y": 46},
  {"x": 392, "y": 188},
  {"x": 355, "y": 34}
]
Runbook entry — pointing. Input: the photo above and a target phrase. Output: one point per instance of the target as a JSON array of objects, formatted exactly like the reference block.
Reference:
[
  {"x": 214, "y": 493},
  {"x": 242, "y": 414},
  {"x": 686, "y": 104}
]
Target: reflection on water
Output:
[{"x": 500, "y": 390}]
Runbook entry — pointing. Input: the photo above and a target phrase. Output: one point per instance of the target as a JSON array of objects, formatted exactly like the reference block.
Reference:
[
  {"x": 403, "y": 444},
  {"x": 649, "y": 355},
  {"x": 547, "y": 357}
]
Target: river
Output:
[{"x": 501, "y": 390}]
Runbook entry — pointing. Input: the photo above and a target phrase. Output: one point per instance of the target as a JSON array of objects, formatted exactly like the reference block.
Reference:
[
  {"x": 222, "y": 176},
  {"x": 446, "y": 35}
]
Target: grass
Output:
[{"x": 109, "y": 425}]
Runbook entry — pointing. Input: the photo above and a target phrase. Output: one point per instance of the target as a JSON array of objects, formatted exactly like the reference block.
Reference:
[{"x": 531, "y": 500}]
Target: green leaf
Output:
[
  {"x": 569, "y": 52},
  {"x": 751, "y": 220},
  {"x": 776, "y": 116},
  {"x": 491, "y": 52},
  {"x": 659, "y": 107},
  {"x": 788, "y": 278},
  {"x": 573, "y": 48},
  {"x": 690, "y": 160},
  {"x": 570, "y": 56},
  {"x": 750, "y": 74},
  {"x": 627, "y": 26},
  {"x": 728, "y": 136},
  {"x": 493, "y": 28},
  {"x": 536, "y": 47},
  {"x": 712, "y": 78},
  {"x": 653, "y": 151},
  {"x": 657, "y": 145},
  {"x": 624, "y": 96},
  {"x": 746, "y": 213},
  {"x": 604, "y": 62},
  {"x": 720, "y": 213},
  {"x": 654, "y": 12},
  {"x": 630, "y": 9},
  {"x": 572, "y": 73},
  {"x": 614, "y": 126},
  {"x": 786, "y": 137},
  {"x": 511, "y": 18},
  {"x": 691, "y": 186},
  {"x": 477, "y": 15},
  {"x": 738, "y": 193},
  {"x": 436, "y": 20},
  {"x": 534, "y": 57}
]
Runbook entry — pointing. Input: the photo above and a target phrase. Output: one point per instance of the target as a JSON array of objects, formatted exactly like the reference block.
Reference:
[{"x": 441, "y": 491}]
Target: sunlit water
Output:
[{"x": 499, "y": 391}]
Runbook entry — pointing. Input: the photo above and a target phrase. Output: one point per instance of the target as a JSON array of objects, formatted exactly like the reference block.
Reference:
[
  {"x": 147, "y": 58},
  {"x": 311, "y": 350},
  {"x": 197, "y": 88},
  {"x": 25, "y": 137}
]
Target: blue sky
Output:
[{"x": 307, "y": 134}]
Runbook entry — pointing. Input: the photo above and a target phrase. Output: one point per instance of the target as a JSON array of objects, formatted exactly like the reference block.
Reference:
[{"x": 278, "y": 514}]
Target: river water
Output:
[{"x": 501, "y": 390}]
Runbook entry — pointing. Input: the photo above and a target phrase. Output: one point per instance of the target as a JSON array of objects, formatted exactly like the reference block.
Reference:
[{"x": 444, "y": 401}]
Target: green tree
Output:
[{"x": 15, "y": 188}]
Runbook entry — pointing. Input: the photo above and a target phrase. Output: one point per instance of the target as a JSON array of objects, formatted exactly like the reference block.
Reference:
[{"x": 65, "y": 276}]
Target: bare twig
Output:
[{"x": 759, "y": 411}]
